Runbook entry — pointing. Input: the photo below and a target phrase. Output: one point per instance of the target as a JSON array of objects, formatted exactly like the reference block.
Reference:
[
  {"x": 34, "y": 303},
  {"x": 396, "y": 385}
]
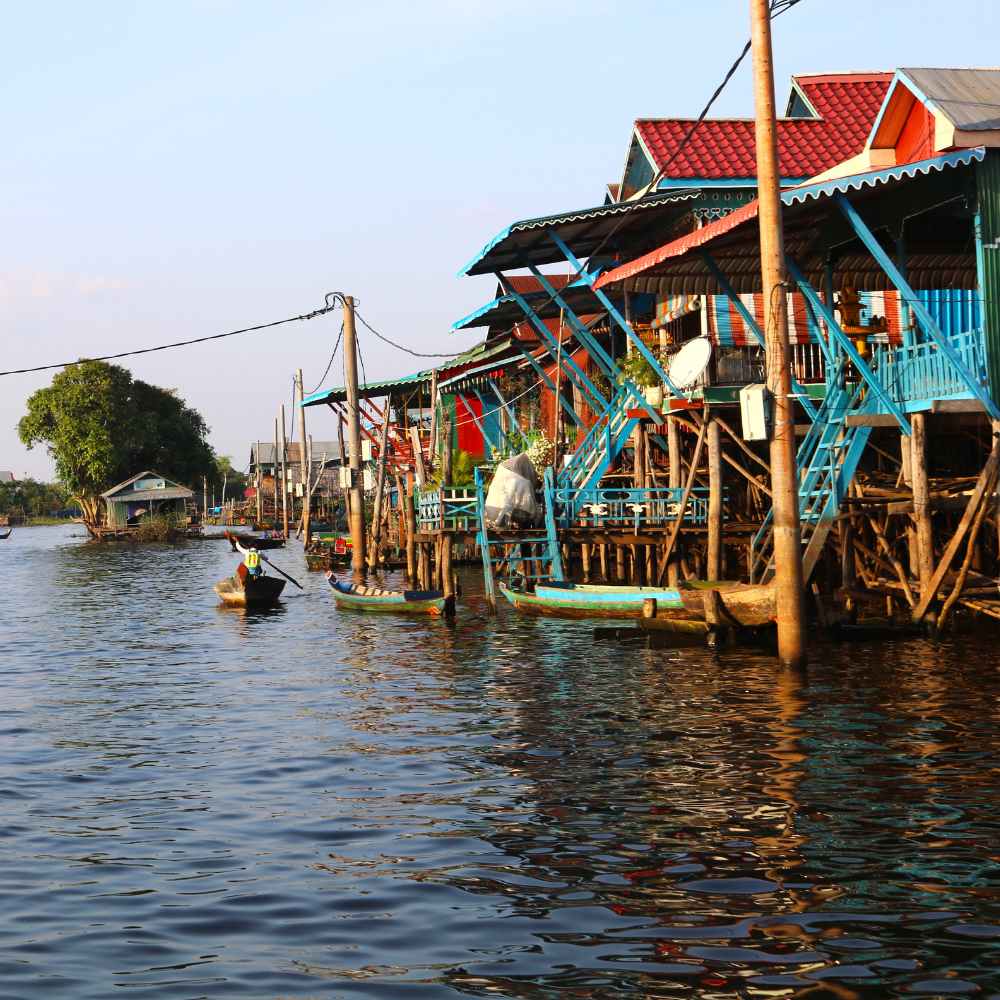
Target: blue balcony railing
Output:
[
  {"x": 920, "y": 372},
  {"x": 451, "y": 508},
  {"x": 609, "y": 507}
]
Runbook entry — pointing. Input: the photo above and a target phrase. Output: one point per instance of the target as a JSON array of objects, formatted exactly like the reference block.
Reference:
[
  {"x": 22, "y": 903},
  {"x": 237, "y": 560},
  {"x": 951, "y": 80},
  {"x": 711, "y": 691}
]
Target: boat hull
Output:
[
  {"x": 741, "y": 605},
  {"x": 400, "y": 602},
  {"x": 588, "y": 601},
  {"x": 259, "y": 592},
  {"x": 253, "y": 542}
]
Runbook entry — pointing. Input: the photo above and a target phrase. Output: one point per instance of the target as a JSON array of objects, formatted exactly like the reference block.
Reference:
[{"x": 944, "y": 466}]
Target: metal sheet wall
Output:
[{"x": 988, "y": 184}]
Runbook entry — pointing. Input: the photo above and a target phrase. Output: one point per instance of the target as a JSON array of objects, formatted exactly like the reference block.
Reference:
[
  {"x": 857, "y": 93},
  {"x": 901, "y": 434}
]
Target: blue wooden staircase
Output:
[
  {"x": 827, "y": 460},
  {"x": 527, "y": 556},
  {"x": 598, "y": 451}
]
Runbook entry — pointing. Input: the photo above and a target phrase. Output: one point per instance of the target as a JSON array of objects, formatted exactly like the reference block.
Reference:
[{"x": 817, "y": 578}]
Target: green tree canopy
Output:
[{"x": 102, "y": 426}]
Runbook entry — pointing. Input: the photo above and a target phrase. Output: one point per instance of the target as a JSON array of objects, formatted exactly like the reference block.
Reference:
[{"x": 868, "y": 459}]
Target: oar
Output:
[{"x": 282, "y": 572}]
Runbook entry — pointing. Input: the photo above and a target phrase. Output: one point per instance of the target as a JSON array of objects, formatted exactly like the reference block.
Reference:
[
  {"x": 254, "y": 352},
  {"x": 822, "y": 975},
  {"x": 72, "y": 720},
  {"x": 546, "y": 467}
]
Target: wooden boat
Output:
[
  {"x": 254, "y": 541},
  {"x": 581, "y": 600},
  {"x": 5, "y": 534},
  {"x": 733, "y": 604},
  {"x": 405, "y": 602},
  {"x": 250, "y": 592}
]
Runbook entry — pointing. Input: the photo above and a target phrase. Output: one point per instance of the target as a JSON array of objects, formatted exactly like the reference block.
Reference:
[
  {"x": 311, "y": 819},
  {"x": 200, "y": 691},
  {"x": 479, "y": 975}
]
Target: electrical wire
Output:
[
  {"x": 329, "y": 364},
  {"x": 392, "y": 343},
  {"x": 178, "y": 343}
]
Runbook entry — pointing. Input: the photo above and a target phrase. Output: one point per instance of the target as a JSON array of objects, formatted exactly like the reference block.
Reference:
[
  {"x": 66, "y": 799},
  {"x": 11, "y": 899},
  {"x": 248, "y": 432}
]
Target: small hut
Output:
[{"x": 147, "y": 495}]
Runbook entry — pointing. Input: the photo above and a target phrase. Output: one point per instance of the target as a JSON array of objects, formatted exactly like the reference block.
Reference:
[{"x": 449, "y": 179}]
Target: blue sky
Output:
[{"x": 171, "y": 171}]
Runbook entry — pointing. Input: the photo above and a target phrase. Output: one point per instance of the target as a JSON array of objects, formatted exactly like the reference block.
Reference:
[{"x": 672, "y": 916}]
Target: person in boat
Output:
[{"x": 251, "y": 565}]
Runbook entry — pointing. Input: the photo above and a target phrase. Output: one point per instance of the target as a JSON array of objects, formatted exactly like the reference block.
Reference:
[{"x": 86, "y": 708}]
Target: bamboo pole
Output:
[
  {"x": 375, "y": 552},
  {"x": 784, "y": 475},
  {"x": 284, "y": 475},
  {"x": 306, "y": 461}
]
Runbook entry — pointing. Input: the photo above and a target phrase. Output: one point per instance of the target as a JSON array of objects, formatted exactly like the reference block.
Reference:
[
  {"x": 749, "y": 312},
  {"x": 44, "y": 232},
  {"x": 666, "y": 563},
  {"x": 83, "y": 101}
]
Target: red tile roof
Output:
[{"x": 847, "y": 105}]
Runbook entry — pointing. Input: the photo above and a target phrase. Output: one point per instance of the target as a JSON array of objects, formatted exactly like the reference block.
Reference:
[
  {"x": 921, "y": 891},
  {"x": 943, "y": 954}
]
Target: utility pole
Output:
[
  {"x": 357, "y": 490},
  {"x": 789, "y": 584},
  {"x": 284, "y": 475},
  {"x": 306, "y": 460},
  {"x": 259, "y": 486}
]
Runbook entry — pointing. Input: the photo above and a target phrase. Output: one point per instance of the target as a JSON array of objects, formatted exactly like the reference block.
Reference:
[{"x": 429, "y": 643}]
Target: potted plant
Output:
[{"x": 641, "y": 372}]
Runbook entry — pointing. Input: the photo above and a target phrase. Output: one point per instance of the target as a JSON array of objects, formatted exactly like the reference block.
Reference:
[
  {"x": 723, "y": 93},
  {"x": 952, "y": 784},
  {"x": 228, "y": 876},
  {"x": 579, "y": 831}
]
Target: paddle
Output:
[{"x": 281, "y": 571}]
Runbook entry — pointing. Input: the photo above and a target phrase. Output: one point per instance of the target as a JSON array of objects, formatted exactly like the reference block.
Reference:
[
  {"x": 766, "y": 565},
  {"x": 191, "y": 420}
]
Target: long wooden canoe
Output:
[
  {"x": 253, "y": 592},
  {"x": 5, "y": 534},
  {"x": 737, "y": 604},
  {"x": 254, "y": 541},
  {"x": 404, "y": 602},
  {"x": 579, "y": 600}
]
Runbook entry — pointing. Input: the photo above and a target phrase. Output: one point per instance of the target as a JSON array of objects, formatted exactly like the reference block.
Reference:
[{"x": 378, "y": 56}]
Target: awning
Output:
[
  {"x": 940, "y": 257},
  {"x": 505, "y": 312},
  {"x": 369, "y": 390},
  {"x": 634, "y": 224}
]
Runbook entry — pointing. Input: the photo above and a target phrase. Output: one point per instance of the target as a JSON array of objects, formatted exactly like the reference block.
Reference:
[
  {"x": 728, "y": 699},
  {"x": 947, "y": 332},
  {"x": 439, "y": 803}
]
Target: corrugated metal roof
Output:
[
  {"x": 368, "y": 390},
  {"x": 873, "y": 178},
  {"x": 675, "y": 268},
  {"x": 320, "y": 448},
  {"x": 505, "y": 312},
  {"x": 167, "y": 493},
  {"x": 147, "y": 474},
  {"x": 527, "y": 242},
  {"x": 968, "y": 98}
]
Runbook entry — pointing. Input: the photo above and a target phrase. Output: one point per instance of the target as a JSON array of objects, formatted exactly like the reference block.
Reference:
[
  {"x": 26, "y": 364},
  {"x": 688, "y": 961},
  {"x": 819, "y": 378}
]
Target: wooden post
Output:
[
  {"x": 275, "y": 477},
  {"x": 418, "y": 456},
  {"x": 619, "y": 563},
  {"x": 784, "y": 475},
  {"x": 434, "y": 420},
  {"x": 383, "y": 448},
  {"x": 603, "y": 555},
  {"x": 306, "y": 461},
  {"x": 259, "y": 486},
  {"x": 411, "y": 533},
  {"x": 713, "y": 567},
  {"x": 906, "y": 474},
  {"x": 284, "y": 474},
  {"x": 674, "y": 479},
  {"x": 585, "y": 560},
  {"x": 357, "y": 514},
  {"x": 921, "y": 500},
  {"x": 447, "y": 576}
]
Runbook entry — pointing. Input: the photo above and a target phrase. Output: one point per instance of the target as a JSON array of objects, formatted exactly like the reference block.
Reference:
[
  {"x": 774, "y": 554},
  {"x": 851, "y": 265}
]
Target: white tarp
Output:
[{"x": 510, "y": 501}]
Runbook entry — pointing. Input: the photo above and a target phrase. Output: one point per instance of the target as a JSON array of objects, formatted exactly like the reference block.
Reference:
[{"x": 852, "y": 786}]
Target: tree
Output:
[
  {"x": 32, "y": 498},
  {"x": 225, "y": 474},
  {"x": 102, "y": 426}
]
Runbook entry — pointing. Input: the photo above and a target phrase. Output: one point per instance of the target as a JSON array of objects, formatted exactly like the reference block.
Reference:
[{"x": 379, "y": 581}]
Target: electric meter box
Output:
[{"x": 755, "y": 412}]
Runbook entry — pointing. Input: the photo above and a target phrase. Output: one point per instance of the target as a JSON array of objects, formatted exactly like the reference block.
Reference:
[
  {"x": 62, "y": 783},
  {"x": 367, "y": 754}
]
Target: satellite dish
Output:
[{"x": 688, "y": 364}]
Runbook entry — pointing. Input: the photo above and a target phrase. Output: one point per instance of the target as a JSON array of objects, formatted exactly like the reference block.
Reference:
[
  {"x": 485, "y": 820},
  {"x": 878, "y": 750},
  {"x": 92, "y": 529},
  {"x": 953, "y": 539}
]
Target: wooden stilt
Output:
[
  {"x": 921, "y": 501},
  {"x": 585, "y": 560},
  {"x": 713, "y": 567},
  {"x": 675, "y": 480}
]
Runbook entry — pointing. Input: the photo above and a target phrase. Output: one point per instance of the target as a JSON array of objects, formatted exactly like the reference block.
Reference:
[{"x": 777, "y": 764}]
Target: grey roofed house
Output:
[
  {"x": 147, "y": 494},
  {"x": 969, "y": 98},
  {"x": 331, "y": 449}
]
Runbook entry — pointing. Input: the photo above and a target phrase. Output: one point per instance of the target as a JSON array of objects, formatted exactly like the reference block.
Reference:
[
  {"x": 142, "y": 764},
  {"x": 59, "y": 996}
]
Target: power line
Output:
[
  {"x": 329, "y": 364},
  {"x": 178, "y": 343},
  {"x": 392, "y": 343}
]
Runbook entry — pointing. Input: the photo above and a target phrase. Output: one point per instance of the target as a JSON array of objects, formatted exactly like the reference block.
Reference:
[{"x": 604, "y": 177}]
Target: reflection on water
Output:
[{"x": 293, "y": 802}]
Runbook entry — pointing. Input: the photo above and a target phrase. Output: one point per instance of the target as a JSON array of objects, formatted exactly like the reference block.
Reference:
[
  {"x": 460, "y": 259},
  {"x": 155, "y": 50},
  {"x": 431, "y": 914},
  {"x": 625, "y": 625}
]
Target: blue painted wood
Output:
[
  {"x": 550, "y": 385},
  {"x": 924, "y": 318},
  {"x": 616, "y": 316},
  {"x": 597, "y": 352},
  {"x": 846, "y": 345},
  {"x": 555, "y": 552},
  {"x": 750, "y": 321},
  {"x": 571, "y": 369}
]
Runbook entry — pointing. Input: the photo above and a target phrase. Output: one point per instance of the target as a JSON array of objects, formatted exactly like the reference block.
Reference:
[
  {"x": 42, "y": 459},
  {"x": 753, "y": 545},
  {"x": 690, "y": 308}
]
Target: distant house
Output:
[
  {"x": 144, "y": 496},
  {"x": 6, "y": 477}
]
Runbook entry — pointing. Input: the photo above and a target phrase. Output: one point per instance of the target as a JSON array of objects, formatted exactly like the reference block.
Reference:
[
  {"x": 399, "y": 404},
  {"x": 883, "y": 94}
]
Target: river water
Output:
[{"x": 305, "y": 803}]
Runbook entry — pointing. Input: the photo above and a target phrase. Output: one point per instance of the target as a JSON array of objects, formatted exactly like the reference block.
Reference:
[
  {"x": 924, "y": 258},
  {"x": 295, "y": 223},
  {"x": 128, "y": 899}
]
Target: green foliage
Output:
[
  {"x": 102, "y": 426},
  {"x": 33, "y": 499},
  {"x": 463, "y": 469},
  {"x": 160, "y": 528},
  {"x": 224, "y": 472},
  {"x": 639, "y": 370}
]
